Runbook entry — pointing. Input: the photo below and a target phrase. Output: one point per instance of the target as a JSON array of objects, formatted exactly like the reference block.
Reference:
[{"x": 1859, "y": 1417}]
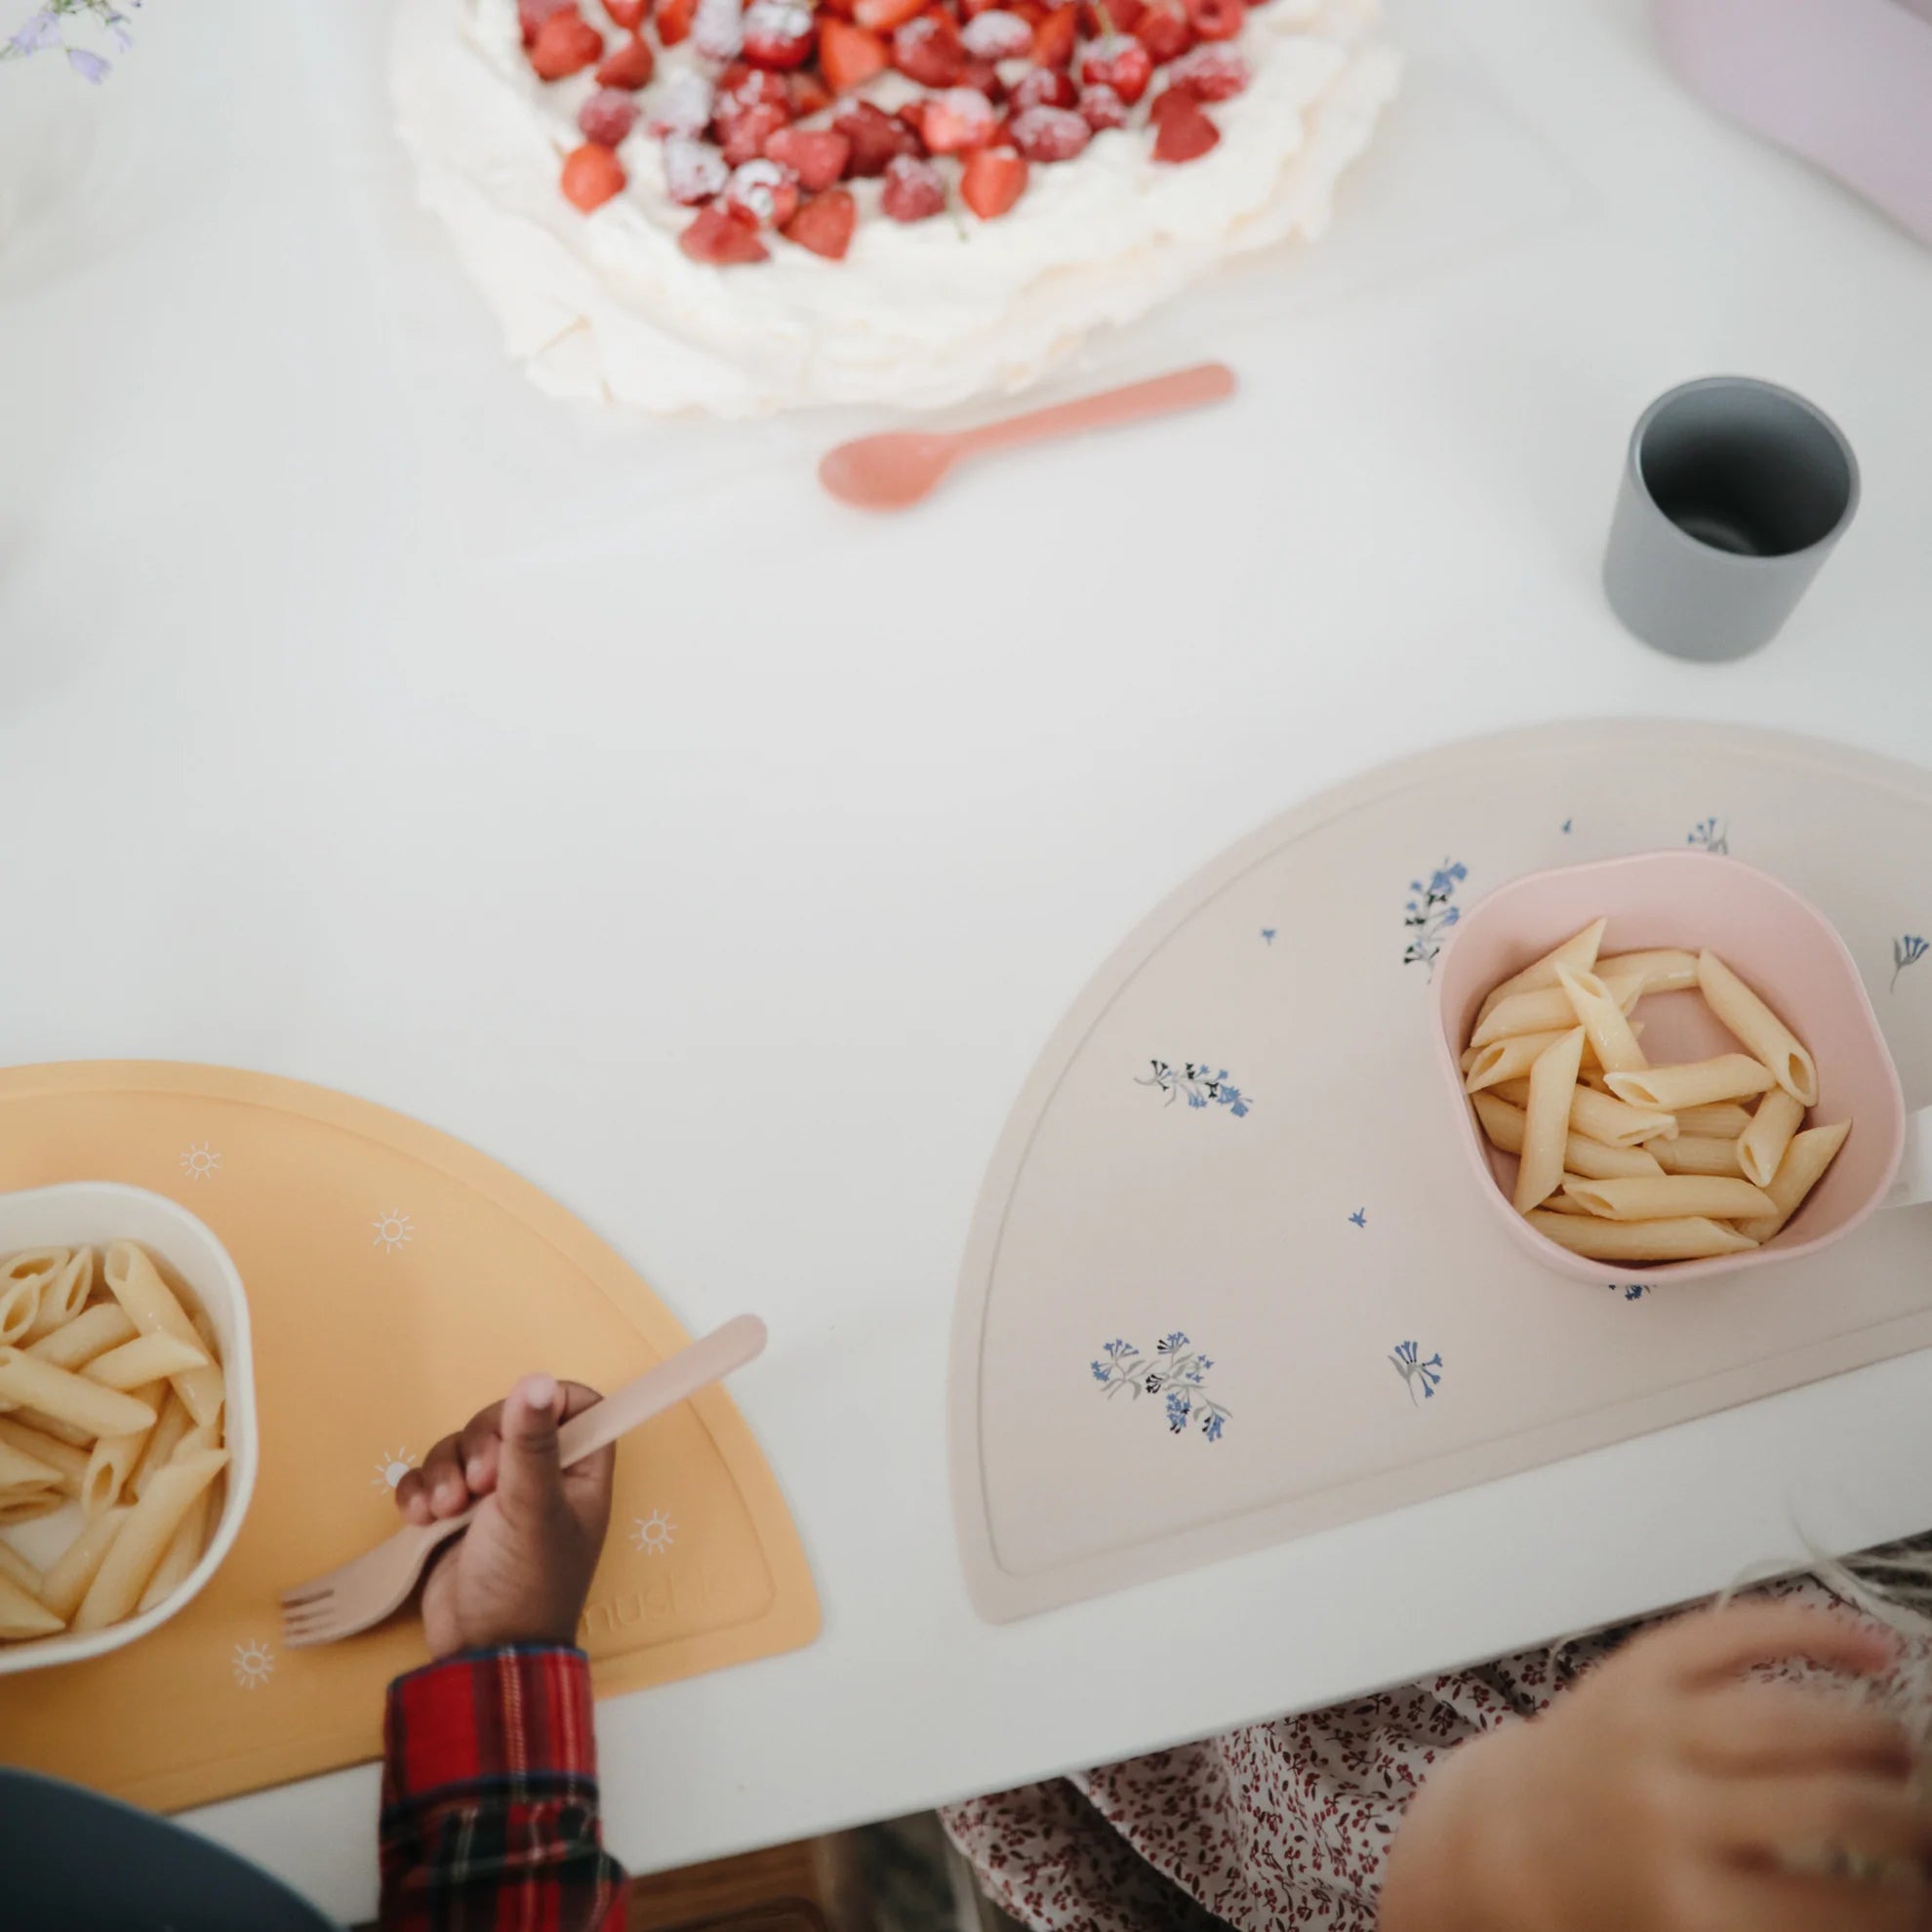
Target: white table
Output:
[{"x": 596, "y": 791}]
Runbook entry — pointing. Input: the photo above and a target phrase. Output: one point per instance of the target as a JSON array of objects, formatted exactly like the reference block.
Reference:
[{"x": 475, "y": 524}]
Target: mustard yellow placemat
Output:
[{"x": 398, "y": 1280}]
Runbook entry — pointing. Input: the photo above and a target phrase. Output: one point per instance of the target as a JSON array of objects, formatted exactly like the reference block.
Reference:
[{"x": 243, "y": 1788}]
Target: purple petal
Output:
[
  {"x": 117, "y": 25},
  {"x": 89, "y": 67},
  {"x": 41, "y": 30}
]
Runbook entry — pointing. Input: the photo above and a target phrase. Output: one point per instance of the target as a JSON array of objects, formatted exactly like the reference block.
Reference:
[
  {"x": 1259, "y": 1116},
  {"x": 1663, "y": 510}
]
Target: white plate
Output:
[{"x": 100, "y": 1212}]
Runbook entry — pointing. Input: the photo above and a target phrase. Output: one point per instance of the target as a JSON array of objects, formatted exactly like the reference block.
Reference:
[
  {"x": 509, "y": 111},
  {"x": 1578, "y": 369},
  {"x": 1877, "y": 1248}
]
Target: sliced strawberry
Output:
[
  {"x": 765, "y": 190},
  {"x": 1210, "y": 73},
  {"x": 607, "y": 117},
  {"x": 877, "y": 139},
  {"x": 630, "y": 67},
  {"x": 1100, "y": 17},
  {"x": 970, "y": 10},
  {"x": 992, "y": 180},
  {"x": 809, "y": 94},
  {"x": 982, "y": 77},
  {"x": 532, "y": 14},
  {"x": 1049, "y": 133},
  {"x": 1121, "y": 63},
  {"x": 694, "y": 171},
  {"x": 1055, "y": 37},
  {"x": 1218, "y": 20},
  {"x": 824, "y": 224},
  {"x": 591, "y": 176},
  {"x": 722, "y": 238},
  {"x": 816, "y": 155},
  {"x": 928, "y": 50},
  {"x": 1045, "y": 87},
  {"x": 1163, "y": 31},
  {"x": 997, "y": 35},
  {"x": 914, "y": 190},
  {"x": 629, "y": 14},
  {"x": 1102, "y": 108},
  {"x": 674, "y": 21},
  {"x": 565, "y": 45},
  {"x": 741, "y": 86},
  {"x": 742, "y": 135},
  {"x": 778, "y": 33},
  {"x": 958, "y": 121},
  {"x": 683, "y": 107},
  {"x": 1185, "y": 130},
  {"x": 883, "y": 16},
  {"x": 849, "y": 56}
]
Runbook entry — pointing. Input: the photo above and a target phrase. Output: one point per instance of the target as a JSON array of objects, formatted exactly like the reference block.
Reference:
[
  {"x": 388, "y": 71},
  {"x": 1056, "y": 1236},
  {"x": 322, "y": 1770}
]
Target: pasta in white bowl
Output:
[{"x": 128, "y": 1438}]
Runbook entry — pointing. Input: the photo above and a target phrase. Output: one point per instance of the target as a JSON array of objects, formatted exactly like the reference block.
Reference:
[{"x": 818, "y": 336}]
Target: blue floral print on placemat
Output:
[
  {"x": 1631, "y": 1291},
  {"x": 1192, "y": 1081},
  {"x": 1429, "y": 914},
  {"x": 1414, "y": 1369},
  {"x": 1710, "y": 835},
  {"x": 1360, "y": 1216},
  {"x": 1908, "y": 949},
  {"x": 1179, "y": 1372}
]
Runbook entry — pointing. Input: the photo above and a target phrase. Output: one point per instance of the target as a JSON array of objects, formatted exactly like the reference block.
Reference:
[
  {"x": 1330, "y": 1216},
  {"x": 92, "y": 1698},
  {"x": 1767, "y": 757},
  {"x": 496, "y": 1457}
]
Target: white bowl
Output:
[{"x": 98, "y": 1212}]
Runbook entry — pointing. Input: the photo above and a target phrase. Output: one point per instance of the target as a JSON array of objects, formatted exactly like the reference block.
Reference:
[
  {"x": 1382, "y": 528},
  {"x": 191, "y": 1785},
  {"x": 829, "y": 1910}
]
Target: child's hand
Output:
[
  {"x": 520, "y": 1572},
  {"x": 1665, "y": 1793}
]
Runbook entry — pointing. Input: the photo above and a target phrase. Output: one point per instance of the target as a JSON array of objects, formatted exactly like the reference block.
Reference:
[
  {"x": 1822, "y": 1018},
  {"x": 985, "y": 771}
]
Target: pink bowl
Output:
[{"x": 1774, "y": 940}]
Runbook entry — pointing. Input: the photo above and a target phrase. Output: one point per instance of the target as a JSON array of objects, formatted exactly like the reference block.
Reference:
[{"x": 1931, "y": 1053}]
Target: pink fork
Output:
[{"x": 362, "y": 1593}]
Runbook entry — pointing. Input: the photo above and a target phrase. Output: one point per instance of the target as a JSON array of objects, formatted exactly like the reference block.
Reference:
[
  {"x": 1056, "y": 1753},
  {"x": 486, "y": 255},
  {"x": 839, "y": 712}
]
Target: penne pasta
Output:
[
  {"x": 1761, "y": 1145},
  {"x": 24, "y": 1506},
  {"x": 1693, "y": 1082},
  {"x": 1671, "y": 1197},
  {"x": 1547, "y": 1009},
  {"x": 1690, "y": 1239},
  {"x": 76, "y": 1342},
  {"x": 1698, "y": 1153},
  {"x": 21, "y": 1469},
  {"x": 1503, "y": 1124},
  {"x": 136, "y": 1283},
  {"x": 21, "y": 1283},
  {"x": 134, "y": 1555},
  {"x": 1616, "y": 1123},
  {"x": 1602, "y": 1019},
  {"x": 1561, "y": 1203},
  {"x": 1660, "y": 970},
  {"x": 162, "y": 1441},
  {"x": 1724, "y": 1122},
  {"x": 146, "y": 1359},
  {"x": 1767, "y": 1036},
  {"x": 114, "y": 1457},
  {"x": 64, "y": 1294},
  {"x": 1804, "y": 1163},
  {"x": 19, "y": 1571},
  {"x": 61, "y": 1431},
  {"x": 69, "y": 1461},
  {"x": 70, "y": 1573},
  {"x": 23, "y": 1616},
  {"x": 1546, "y": 1120},
  {"x": 70, "y": 1399},
  {"x": 1511, "y": 1059},
  {"x": 1579, "y": 950},
  {"x": 182, "y": 1553}
]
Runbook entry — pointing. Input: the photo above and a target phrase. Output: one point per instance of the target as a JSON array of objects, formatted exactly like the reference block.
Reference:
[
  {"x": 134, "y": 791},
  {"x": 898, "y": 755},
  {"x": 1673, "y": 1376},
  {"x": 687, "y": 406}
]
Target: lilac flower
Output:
[
  {"x": 41, "y": 30},
  {"x": 1178, "y": 1408},
  {"x": 89, "y": 67}
]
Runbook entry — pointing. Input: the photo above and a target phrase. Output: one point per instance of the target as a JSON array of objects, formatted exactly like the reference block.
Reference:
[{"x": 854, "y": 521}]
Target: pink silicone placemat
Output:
[{"x": 1233, "y": 1171}]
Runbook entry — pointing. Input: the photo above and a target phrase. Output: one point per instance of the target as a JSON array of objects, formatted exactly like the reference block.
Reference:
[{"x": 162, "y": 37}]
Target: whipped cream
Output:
[{"x": 918, "y": 315}]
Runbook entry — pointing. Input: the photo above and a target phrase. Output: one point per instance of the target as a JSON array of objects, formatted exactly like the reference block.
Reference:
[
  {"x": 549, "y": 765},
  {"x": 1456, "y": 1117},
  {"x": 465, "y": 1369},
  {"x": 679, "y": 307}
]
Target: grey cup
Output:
[{"x": 1734, "y": 492}]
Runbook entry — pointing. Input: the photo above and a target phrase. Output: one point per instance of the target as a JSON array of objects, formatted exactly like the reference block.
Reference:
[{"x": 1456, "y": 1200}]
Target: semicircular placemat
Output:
[
  {"x": 1228, "y": 1280},
  {"x": 398, "y": 1281}
]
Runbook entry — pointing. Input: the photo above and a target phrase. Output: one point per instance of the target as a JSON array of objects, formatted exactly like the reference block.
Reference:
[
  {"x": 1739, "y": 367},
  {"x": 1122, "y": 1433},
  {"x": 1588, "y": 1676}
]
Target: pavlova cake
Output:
[{"x": 747, "y": 205}]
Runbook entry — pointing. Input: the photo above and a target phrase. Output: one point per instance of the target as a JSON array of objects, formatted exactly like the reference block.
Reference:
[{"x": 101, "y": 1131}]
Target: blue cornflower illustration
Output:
[
  {"x": 1414, "y": 1369},
  {"x": 1181, "y": 1373},
  {"x": 1360, "y": 1216},
  {"x": 1908, "y": 949},
  {"x": 1194, "y": 1082},
  {"x": 1428, "y": 914},
  {"x": 1710, "y": 835}
]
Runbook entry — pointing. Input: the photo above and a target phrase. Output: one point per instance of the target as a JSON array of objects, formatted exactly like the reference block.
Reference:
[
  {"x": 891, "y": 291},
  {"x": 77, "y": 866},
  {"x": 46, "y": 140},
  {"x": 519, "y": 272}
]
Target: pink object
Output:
[
  {"x": 897, "y": 470},
  {"x": 363, "y": 1592},
  {"x": 1778, "y": 943},
  {"x": 1845, "y": 83}
]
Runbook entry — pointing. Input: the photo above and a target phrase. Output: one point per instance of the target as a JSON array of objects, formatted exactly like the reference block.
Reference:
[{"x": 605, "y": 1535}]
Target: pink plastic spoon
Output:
[{"x": 899, "y": 470}]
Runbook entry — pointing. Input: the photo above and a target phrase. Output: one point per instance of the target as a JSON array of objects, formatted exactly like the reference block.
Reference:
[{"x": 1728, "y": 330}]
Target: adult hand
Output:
[
  {"x": 521, "y": 1571},
  {"x": 1667, "y": 1793}
]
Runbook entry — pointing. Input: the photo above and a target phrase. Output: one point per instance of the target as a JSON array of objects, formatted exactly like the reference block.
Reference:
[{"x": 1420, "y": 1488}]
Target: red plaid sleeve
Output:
[{"x": 490, "y": 1798}]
